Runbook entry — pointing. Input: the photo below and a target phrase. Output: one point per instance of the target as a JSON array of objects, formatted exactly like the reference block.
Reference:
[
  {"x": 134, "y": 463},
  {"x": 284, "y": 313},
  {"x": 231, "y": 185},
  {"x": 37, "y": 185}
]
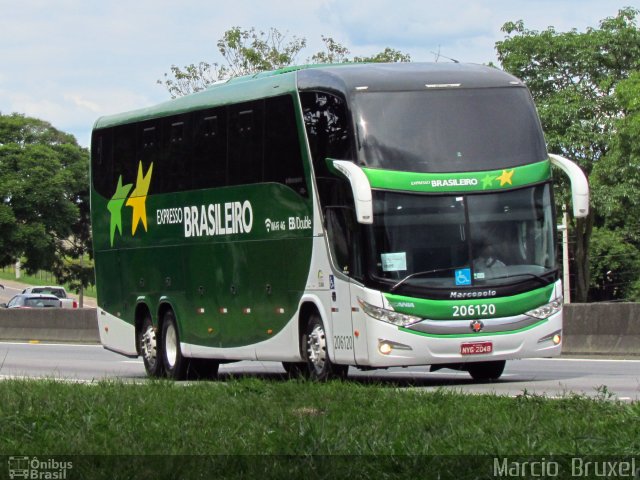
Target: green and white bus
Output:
[{"x": 364, "y": 215}]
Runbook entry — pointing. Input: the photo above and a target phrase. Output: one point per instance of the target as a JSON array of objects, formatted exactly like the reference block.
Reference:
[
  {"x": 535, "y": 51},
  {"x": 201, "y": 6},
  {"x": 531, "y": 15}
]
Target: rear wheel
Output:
[
  {"x": 319, "y": 364},
  {"x": 486, "y": 370},
  {"x": 148, "y": 343},
  {"x": 175, "y": 365}
]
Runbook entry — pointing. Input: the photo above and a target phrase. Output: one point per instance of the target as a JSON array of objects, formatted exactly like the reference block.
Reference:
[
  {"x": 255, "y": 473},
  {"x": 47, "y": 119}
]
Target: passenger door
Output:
[{"x": 344, "y": 241}]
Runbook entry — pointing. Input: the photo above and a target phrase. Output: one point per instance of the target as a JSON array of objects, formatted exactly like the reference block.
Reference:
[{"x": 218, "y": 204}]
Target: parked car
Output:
[
  {"x": 59, "y": 292},
  {"x": 33, "y": 300}
]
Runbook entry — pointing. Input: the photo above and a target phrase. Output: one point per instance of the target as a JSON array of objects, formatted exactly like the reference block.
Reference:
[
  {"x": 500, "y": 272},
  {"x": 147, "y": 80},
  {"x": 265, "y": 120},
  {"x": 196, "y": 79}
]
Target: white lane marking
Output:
[
  {"x": 137, "y": 362},
  {"x": 49, "y": 344},
  {"x": 55, "y": 379},
  {"x": 602, "y": 360}
]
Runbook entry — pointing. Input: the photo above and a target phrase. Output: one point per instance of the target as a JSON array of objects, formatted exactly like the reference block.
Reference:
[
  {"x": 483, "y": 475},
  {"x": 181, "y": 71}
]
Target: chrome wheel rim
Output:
[
  {"x": 150, "y": 346},
  {"x": 317, "y": 348},
  {"x": 171, "y": 345}
]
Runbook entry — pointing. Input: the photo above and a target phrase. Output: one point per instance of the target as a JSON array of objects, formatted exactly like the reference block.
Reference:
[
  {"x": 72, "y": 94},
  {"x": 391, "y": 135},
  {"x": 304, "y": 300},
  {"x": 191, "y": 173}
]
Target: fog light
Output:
[
  {"x": 555, "y": 337},
  {"x": 385, "y": 347}
]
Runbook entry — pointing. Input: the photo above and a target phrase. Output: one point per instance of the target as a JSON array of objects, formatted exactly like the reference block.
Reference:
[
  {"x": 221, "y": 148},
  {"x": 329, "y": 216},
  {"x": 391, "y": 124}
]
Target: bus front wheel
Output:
[
  {"x": 318, "y": 362},
  {"x": 148, "y": 341},
  {"x": 175, "y": 364},
  {"x": 486, "y": 370}
]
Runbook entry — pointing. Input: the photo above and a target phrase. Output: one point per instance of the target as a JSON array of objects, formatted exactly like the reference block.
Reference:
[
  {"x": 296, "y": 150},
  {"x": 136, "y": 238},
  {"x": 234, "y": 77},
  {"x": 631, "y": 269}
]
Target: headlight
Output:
[
  {"x": 545, "y": 311},
  {"x": 389, "y": 316}
]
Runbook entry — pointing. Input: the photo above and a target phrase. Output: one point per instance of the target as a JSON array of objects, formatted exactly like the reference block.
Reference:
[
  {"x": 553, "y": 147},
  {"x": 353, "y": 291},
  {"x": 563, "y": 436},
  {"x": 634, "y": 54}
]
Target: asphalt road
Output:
[
  {"x": 619, "y": 379},
  {"x": 8, "y": 292}
]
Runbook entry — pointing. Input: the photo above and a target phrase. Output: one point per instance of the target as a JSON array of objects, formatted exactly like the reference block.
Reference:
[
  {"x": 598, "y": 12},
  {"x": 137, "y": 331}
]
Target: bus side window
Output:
[
  {"x": 174, "y": 161},
  {"x": 245, "y": 143},
  {"x": 125, "y": 159},
  {"x": 327, "y": 124},
  {"x": 210, "y": 149},
  {"x": 104, "y": 180},
  {"x": 282, "y": 156},
  {"x": 147, "y": 151}
]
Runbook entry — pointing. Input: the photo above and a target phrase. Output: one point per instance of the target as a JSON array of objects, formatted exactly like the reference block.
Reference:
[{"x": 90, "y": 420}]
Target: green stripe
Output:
[
  {"x": 472, "y": 335},
  {"x": 490, "y": 180},
  {"x": 444, "y": 309}
]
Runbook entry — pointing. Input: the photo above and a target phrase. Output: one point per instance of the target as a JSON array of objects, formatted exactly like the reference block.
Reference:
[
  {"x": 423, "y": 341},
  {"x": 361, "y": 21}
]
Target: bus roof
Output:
[
  {"x": 345, "y": 78},
  {"x": 403, "y": 77}
]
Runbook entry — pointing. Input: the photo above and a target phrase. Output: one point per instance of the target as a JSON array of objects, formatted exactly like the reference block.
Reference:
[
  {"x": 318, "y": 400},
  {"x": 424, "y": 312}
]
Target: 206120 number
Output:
[{"x": 474, "y": 310}]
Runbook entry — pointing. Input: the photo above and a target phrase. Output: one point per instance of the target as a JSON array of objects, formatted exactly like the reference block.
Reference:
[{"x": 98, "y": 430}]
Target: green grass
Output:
[
  {"x": 303, "y": 419},
  {"x": 41, "y": 278},
  {"x": 291, "y": 417}
]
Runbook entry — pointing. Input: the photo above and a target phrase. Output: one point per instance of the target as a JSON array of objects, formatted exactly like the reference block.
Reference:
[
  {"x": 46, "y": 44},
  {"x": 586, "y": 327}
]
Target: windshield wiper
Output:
[{"x": 421, "y": 274}]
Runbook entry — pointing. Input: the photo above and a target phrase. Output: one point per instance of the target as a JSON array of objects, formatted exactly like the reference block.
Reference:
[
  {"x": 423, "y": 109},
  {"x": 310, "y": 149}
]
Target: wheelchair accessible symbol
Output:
[{"x": 463, "y": 276}]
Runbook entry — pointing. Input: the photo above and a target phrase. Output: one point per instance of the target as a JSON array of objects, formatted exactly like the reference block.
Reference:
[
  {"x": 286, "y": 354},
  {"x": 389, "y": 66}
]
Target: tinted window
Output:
[
  {"x": 41, "y": 302},
  {"x": 245, "y": 143},
  {"x": 282, "y": 157},
  {"x": 124, "y": 155},
  {"x": 101, "y": 161},
  {"x": 210, "y": 149},
  {"x": 449, "y": 130},
  {"x": 328, "y": 130},
  {"x": 327, "y": 124},
  {"x": 231, "y": 145},
  {"x": 173, "y": 167}
]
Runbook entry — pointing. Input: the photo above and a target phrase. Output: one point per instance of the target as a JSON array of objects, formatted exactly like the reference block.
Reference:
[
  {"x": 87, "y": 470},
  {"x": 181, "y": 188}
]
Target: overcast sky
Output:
[{"x": 72, "y": 61}]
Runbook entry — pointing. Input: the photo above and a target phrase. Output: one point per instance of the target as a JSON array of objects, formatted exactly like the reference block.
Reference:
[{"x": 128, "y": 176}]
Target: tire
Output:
[
  {"x": 319, "y": 364},
  {"x": 175, "y": 364},
  {"x": 150, "y": 349},
  {"x": 486, "y": 370}
]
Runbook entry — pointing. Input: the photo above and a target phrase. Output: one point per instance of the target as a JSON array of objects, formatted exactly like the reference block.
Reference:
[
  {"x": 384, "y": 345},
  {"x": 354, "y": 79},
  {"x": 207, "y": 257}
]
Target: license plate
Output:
[{"x": 476, "y": 348}]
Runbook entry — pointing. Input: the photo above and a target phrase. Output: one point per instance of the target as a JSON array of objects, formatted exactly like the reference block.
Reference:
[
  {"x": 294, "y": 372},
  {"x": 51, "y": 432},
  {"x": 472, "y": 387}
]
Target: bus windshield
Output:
[
  {"x": 454, "y": 241},
  {"x": 448, "y": 130}
]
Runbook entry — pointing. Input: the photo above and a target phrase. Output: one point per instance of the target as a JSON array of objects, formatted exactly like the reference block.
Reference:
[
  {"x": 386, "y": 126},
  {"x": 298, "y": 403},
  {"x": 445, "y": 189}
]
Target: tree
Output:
[
  {"x": 44, "y": 182},
  {"x": 616, "y": 181},
  {"x": 337, "y": 53},
  {"x": 245, "y": 52},
  {"x": 333, "y": 52},
  {"x": 615, "y": 263},
  {"x": 572, "y": 76},
  {"x": 248, "y": 51}
]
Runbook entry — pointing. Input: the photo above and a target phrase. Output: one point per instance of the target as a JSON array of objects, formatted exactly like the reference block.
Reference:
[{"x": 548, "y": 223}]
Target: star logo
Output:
[
  {"x": 487, "y": 182},
  {"x": 138, "y": 199},
  {"x": 505, "y": 177},
  {"x": 115, "y": 208}
]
